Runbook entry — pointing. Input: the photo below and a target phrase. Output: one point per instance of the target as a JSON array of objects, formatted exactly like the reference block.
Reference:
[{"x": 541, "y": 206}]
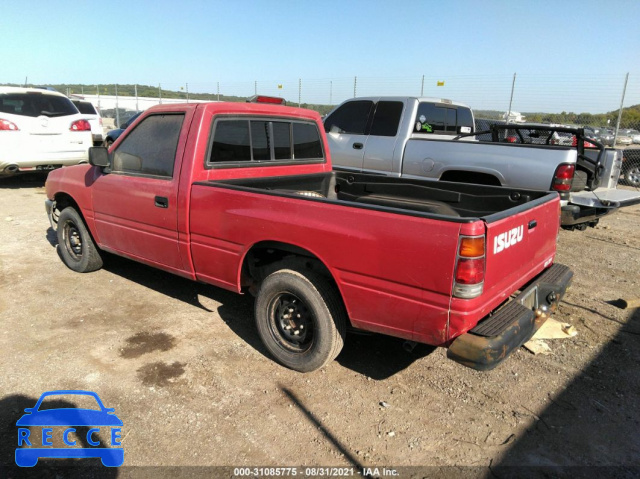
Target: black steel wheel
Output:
[
  {"x": 291, "y": 322},
  {"x": 75, "y": 245},
  {"x": 300, "y": 318}
]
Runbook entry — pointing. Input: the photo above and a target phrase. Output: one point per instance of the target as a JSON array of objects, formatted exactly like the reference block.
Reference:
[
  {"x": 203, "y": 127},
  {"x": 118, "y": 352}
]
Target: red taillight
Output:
[
  {"x": 80, "y": 125},
  {"x": 574, "y": 142},
  {"x": 511, "y": 139},
  {"x": 563, "y": 177},
  {"x": 470, "y": 271},
  {"x": 470, "y": 265},
  {"x": 6, "y": 125}
]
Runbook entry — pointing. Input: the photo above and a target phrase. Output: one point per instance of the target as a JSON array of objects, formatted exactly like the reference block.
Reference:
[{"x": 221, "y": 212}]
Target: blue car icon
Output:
[{"x": 48, "y": 418}]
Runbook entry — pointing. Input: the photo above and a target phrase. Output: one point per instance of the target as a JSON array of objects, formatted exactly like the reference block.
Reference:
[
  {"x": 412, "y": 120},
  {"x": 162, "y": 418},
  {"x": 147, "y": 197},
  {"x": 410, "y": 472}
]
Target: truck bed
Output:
[{"x": 458, "y": 202}]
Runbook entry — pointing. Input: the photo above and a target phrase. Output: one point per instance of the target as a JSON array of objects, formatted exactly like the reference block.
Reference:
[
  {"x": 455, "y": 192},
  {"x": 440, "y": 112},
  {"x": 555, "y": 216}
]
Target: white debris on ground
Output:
[{"x": 551, "y": 329}]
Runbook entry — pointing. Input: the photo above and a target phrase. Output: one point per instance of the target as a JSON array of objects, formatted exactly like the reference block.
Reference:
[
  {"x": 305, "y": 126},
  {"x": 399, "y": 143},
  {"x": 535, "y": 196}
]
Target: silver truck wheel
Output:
[{"x": 632, "y": 176}]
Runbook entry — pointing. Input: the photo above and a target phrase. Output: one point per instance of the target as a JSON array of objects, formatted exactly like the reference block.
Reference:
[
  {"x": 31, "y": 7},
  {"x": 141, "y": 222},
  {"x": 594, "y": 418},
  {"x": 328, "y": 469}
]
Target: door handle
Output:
[
  {"x": 162, "y": 202},
  {"x": 532, "y": 224},
  {"x": 358, "y": 146}
]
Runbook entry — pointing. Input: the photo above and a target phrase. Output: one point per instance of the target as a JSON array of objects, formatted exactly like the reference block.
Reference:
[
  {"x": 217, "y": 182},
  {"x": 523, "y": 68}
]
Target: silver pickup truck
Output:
[{"x": 435, "y": 139}]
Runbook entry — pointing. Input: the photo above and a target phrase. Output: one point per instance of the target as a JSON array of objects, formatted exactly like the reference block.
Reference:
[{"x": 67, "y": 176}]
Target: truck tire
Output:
[
  {"x": 300, "y": 318},
  {"x": 76, "y": 247}
]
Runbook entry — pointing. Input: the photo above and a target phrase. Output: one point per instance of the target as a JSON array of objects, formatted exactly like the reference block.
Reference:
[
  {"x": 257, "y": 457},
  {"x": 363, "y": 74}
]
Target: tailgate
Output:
[
  {"x": 521, "y": 242},
  {"x": 606, "y": 198}
]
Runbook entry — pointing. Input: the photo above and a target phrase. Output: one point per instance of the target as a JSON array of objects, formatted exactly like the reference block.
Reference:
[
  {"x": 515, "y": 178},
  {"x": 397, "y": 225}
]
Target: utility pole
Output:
[
  {"x": 624, "y": 91},
  {"x": 513, "y": 85},
  {"x": 355, "y": 84},
  {"x": 218, "y": 91},
  {"x": 135, "y": 89},
  {"x": 331, "y": 92},
  {"x": 160, "y": 93},
  {"x": 299, "y": 92},
  {"x": 187, "y": 85},
  {"x": 117, "y": 109},
  {"x": 422, "y": 87}
]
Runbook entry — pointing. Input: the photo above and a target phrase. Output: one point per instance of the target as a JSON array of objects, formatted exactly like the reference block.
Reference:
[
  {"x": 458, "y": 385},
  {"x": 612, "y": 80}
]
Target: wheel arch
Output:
[
  {"x": 63, "y": 200},
  {"x": 469, "y": 176},
  {"x": 265, "y": 257}
]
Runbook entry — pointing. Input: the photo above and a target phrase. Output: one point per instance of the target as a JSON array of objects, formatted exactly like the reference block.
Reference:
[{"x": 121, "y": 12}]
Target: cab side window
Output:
[
  {"x": 150, "y": 149},
  {"x": 351, "y": 118},
  {"x": 387, "y": 118},
  {"x": 443, "y": 119}
]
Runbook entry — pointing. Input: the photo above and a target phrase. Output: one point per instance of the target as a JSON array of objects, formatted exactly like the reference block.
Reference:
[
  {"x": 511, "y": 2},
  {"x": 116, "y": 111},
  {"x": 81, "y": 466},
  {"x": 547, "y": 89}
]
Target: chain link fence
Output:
[{"x": 593, "y": 102}]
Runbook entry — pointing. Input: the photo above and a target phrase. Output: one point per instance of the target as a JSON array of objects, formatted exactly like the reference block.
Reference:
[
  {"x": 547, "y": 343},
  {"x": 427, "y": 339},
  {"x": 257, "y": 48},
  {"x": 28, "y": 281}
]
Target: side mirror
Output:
[{"x": 99, "y": 156}]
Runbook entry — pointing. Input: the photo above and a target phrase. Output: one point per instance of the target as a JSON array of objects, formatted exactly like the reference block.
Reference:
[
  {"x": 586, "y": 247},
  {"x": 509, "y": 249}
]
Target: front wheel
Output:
[
  {"x": 300, "y": 318},
  {"x": 76, "y": 247}
]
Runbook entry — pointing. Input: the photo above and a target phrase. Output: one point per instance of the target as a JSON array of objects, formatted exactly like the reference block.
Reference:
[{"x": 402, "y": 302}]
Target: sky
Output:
[{"x": 567, "y": 55}]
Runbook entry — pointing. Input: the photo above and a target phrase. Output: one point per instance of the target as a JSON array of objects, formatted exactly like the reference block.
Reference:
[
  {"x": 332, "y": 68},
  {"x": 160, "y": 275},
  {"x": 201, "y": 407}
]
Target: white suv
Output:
[
  {"x": 40, "y": 130},
  {"x": 92, "y": 115}
]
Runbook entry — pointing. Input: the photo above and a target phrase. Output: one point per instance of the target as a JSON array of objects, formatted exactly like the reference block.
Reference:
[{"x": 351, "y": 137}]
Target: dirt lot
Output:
[{"x": 184, "y": 368}]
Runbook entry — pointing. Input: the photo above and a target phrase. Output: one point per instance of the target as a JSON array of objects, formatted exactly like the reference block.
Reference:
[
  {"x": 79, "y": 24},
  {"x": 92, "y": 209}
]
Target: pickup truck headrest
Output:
[{"x": 126, "y": 162}]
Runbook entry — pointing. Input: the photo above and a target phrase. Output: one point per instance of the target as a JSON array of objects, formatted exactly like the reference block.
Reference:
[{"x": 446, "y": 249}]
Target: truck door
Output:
[
  {"x": 381, "y": 143},
  {"x": 135, "y": 203},
  {"x": 346, "y": 133}
]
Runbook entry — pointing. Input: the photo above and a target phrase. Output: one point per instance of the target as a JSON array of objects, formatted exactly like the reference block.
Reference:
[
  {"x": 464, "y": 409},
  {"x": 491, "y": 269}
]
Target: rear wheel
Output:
[
  {"x": 300, "y": 318},
  {"x": 76, "y": 247}
]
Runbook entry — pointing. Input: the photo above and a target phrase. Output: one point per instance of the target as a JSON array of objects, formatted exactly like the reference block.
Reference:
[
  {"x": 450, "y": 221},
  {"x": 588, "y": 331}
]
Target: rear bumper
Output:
[
  {"x": 508, "y": 328},
  {"x": 45, "y": 162},
  {"x": 572, "y": 215}
]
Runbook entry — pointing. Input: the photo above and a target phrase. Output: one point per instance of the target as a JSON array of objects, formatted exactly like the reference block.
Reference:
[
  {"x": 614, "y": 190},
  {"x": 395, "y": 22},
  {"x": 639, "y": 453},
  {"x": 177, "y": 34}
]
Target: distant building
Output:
[{"x": 514, "y": 117}]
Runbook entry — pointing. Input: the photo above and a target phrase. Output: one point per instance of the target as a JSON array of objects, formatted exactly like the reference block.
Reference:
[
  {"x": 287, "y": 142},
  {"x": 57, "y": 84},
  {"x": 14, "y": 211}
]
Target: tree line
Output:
[{"x": 630, "y": 115}]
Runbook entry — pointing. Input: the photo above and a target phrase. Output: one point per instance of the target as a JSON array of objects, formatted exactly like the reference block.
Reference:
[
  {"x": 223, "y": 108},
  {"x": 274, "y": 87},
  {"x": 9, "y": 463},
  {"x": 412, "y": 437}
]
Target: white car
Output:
[
  {"x": 624, "y": 140},
  {"x": 40, "y": 130},
  {"x": 92, "y": 115}
]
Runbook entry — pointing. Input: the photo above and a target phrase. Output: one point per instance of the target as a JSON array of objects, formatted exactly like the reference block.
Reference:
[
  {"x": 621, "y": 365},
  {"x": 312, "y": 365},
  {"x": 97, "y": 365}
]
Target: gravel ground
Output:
[{"x": 184, "y": 368}]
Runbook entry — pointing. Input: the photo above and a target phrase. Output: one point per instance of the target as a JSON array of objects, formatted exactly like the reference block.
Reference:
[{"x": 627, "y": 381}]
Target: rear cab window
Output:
[
  {"x": 443, "y": 119},
  {"x": 240, "y": 142}
]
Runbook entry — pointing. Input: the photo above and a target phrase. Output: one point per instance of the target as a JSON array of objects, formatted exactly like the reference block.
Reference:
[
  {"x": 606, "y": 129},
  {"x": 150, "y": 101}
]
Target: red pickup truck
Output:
[{"x": 243, "y": 196}]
